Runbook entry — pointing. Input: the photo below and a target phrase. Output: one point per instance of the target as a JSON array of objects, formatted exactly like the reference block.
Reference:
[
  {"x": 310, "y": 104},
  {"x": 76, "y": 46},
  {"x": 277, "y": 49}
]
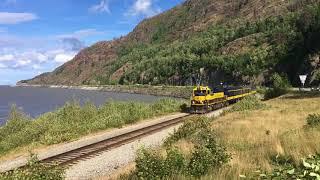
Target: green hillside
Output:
[{"x": 238, "y": 42}]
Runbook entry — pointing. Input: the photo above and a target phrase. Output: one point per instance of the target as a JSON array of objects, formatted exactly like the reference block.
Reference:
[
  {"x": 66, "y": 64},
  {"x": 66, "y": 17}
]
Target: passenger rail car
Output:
[{"x": 205, "y": 99}]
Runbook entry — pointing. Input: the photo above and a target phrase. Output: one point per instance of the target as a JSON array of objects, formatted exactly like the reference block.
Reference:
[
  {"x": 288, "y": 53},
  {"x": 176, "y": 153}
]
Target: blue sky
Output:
[{"x": 37, "y": 36}]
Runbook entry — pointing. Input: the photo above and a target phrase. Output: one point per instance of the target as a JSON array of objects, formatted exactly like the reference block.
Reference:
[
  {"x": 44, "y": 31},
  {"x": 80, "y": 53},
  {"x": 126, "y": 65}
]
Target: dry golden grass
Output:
[{"x": 254, "y": 138}]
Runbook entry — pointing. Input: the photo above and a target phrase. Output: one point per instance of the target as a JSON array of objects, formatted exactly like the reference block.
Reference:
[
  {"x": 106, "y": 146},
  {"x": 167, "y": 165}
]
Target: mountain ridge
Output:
[{"x": 105, "y": 62}]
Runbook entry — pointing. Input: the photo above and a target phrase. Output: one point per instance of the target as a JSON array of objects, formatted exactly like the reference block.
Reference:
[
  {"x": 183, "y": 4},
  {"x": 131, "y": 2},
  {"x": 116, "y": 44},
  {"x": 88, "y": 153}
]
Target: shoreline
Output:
[{"x": 167, "y": 91}]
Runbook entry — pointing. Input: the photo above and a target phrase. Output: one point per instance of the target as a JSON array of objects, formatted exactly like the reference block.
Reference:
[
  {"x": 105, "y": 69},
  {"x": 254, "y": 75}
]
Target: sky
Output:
[{"x": 37, "y": 36}]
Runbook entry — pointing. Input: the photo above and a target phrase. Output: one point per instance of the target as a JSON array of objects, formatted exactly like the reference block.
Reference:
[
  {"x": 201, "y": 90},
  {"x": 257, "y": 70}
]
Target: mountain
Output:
[{"x": 235, "y": 41}]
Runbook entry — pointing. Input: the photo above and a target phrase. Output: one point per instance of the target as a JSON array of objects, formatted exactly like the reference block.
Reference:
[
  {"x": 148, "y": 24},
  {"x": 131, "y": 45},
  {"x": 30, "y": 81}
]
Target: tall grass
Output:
[
  {"x": 261, "y": 142},
  {"x": 73, "y": 121},
  {"x": 261, "y": 138}
]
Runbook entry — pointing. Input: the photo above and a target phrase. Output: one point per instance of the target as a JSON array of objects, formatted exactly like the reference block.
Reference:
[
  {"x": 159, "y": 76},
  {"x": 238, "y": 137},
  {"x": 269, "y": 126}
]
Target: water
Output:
[{"x": 35, "y": 101}]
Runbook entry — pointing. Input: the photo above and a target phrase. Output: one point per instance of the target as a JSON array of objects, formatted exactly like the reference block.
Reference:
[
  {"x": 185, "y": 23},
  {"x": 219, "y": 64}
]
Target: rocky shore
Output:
[{"x": 170, "y": 91}]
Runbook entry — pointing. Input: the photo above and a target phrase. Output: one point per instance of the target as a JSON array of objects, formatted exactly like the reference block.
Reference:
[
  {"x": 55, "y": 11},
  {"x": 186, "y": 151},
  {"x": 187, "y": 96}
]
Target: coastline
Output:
[{"x": 168, "y": 91}]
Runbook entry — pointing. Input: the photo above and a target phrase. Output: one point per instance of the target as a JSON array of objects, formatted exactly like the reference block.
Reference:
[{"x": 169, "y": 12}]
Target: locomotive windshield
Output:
[{"x": 200, "y": 93}]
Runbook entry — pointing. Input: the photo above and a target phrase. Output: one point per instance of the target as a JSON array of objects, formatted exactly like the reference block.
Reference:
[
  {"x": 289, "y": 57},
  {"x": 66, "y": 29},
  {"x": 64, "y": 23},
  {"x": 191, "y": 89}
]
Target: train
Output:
[{"x": 204, "y": 99}]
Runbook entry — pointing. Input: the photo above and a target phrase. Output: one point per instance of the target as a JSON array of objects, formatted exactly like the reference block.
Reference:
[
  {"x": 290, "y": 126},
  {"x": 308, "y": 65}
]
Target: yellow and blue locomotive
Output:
[{"x": 204, "y": 99}]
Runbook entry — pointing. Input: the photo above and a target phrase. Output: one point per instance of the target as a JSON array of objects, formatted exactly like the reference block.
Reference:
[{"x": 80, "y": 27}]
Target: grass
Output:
[
  {"x": 73, "y": 121},
  {"x": 256, "y": 138},
  {"x": 261, "y": 140},
  {"x": 35, "y": 170}
]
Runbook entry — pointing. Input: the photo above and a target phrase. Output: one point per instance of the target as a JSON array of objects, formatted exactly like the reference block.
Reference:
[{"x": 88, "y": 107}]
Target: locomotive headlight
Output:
[{"x": 193, "y": 102}]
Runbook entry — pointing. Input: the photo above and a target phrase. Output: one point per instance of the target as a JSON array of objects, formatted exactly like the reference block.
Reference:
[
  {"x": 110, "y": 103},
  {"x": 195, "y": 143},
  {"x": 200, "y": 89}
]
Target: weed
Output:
[
  {"x": 313, "y": 120},
  {"x": 35, "y": 171}
]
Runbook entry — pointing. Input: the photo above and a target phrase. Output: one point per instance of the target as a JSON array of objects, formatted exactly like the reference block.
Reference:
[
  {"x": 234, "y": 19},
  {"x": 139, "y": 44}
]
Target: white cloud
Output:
[
  {"x": 22, "y": 63},
  {"x": 65, "y": 57},
  {"x": 81, "y": 34},
  {"x": 16, "y": 18},
  {"x": 103, "y": 6},
  {"x": 2, "y": 66},
  {"x": 34, "y": 55},
  {"x": 42, "y": 58},
  {"x": 35, "y": 59},
  {"x": 20, "y": 53},
  {"x": 36, "y": 67},
  {"x": 143, "y": 7},
  {"x": 6, "y": 57}
]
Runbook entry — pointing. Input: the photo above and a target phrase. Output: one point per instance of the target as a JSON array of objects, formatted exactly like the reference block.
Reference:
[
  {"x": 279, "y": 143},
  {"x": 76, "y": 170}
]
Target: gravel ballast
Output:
[
  {"x": 108, "y": 162},
  {"x": 104, "y": 165},
  {"x": 21, "y": 160}
]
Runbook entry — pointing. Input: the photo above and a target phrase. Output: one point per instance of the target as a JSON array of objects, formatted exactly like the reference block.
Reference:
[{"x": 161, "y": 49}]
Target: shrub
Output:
[
  {"x": 16, "y": 122},
  {"x": 200, "y": 161},
  {"x": 175, "y": 161},
  {"x": 313, "y": 120},
  {"x": 307, "y": 169},
  {"x": 248, "y": 103},
  {"x": 279, "y": 87},
  {"x": 187, "y": 129},
  {"x": 150, "y": 165},
  {"x": 35, "y": 171},
  {"x": 208, "y": 154}
]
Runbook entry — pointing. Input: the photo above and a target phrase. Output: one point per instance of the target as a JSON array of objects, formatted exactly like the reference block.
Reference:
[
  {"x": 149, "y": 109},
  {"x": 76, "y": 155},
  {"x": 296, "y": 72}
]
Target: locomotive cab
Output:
[
  {"x": 201, "y": 91},
  {"x": 203, "y": 99}
]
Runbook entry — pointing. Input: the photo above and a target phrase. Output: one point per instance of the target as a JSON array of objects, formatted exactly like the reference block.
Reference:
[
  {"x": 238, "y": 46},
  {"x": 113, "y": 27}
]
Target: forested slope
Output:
[{"x": 235, "y": 41}]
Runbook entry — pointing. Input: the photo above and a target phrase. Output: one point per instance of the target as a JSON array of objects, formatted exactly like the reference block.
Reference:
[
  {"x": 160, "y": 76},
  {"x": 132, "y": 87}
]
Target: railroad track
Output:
[{"x": 89, "y": 151}]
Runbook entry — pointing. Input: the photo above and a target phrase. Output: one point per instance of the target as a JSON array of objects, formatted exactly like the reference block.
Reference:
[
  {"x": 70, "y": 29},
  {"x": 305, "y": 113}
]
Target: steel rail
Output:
[{"x": 92, "y": 150}]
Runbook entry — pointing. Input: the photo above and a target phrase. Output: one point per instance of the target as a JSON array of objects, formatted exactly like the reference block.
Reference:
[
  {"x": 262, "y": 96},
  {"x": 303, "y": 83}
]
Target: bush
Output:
[
  {"x": 279, "y": 87},
  {"x": 200, "y": 162},
  {"x": 313, "y": 120},
  {"x": 248, "y": 103},
  {"x": 208, "y": 154},
  {"x": 175, "y": 161},
  {"x": 35, "y": 171},
  {"x": 187, "y": 129},
  {"x": 307, "y": 169},
  {"x": 150, "y": 165}
]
